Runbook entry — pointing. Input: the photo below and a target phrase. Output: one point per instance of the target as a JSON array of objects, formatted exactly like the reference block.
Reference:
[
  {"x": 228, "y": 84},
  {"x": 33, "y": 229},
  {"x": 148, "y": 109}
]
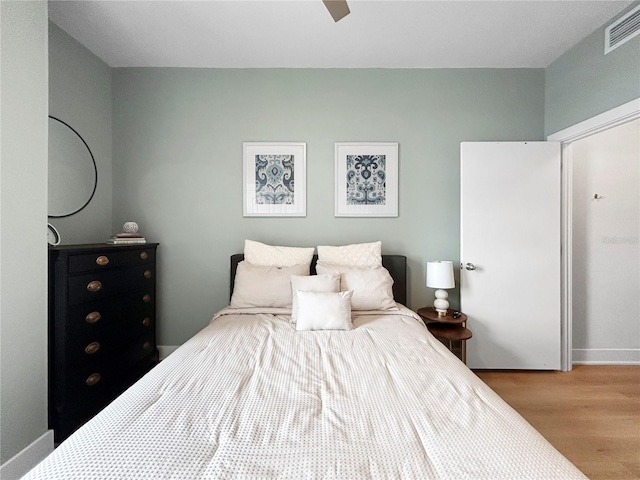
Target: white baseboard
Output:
[
  {"x": 606, "y": 356},
  {"x": 166, "y": 350},
  {"x": 28, "y": 458}
]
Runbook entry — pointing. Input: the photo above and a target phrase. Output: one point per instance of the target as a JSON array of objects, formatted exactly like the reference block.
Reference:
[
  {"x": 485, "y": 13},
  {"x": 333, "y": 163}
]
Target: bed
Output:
[{"x": 252, "y": 396}]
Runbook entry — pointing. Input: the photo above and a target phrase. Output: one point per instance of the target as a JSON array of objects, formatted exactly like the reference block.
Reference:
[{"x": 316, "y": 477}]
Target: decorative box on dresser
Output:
[{"x": 101, "y": 327}]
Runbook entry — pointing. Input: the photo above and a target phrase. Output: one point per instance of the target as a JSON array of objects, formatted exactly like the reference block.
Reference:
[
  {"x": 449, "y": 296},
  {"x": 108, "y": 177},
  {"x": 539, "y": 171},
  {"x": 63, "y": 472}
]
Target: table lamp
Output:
[{"x": 440, "y": 276}]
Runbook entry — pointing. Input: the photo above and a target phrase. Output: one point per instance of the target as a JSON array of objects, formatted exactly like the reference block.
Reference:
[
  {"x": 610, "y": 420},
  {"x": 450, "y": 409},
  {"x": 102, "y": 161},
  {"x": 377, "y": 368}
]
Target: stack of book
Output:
[{"x": 126, "y": 239}]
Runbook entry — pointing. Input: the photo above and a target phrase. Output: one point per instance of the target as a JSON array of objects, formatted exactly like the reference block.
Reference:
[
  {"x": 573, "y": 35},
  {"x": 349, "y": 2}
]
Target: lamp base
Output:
[{"x": 441, "y": 304}]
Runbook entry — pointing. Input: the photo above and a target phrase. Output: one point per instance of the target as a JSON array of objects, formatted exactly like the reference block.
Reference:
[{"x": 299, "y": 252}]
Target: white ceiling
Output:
[{"x": 301, "y": 33}]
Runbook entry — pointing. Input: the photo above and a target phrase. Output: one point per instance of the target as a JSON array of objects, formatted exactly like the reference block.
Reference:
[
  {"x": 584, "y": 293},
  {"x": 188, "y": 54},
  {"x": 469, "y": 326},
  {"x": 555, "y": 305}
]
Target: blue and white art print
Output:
[
  {"x": 366, "y": 179},
  {"x": 274, "y": 179}
]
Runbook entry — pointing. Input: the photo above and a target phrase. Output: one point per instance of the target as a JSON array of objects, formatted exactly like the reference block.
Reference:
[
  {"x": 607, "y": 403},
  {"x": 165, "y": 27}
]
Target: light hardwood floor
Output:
[{"x": 591, "y": 414}]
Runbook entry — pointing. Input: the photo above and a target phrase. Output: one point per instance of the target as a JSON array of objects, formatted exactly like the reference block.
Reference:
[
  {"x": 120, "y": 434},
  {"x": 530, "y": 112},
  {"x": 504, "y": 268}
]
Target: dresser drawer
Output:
[
  {"x": 99, "y": 285},
  {"x": 107, "y": 259},
  {"x": 141, "y": 325},
  {"x": 80, "y": 409},
  {"x": 141, "y": 347},
  {"x": 127, "y": 312},
  {"x": 95, "y": 350},
  {"x": 89, "y": 389},
  {"x": 89, "y": 319},
  {"x": 88, "y": 383}
]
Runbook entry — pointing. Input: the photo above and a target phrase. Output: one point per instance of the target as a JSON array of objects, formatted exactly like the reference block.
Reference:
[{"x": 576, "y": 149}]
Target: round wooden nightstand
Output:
[{"x": 448, "y": 328}]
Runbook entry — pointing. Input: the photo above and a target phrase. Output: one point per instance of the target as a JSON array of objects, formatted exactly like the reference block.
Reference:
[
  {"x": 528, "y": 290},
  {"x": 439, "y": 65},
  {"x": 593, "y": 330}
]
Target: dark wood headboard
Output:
[{"x": 396, "y": 264}]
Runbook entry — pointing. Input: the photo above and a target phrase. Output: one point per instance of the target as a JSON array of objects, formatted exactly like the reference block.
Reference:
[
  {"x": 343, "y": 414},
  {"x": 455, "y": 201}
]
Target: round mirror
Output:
[{"x": 73, "y": 175}]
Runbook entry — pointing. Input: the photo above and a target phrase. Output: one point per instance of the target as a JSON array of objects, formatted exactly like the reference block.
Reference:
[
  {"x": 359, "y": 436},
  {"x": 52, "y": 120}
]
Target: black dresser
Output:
[{"x": 101, "y": 327}]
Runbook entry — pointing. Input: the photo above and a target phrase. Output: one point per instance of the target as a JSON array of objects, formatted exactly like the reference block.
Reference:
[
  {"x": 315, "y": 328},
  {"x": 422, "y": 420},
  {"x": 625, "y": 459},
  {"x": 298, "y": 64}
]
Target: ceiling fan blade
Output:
[{"x": 337, "y": 8}]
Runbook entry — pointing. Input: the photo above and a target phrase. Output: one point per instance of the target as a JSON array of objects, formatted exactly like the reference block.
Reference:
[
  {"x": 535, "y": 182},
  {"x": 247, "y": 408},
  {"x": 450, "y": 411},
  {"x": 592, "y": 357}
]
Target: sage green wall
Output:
[
  {"x": 585, "y": 82},
  {"x": 177, "y": 163},
  {"x": 23, "y": 218},
  {"x": 80, "y": 95}
]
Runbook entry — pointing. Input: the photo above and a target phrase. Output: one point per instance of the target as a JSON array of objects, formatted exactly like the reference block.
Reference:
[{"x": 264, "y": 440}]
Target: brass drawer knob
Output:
[
  {"x": 102, "y": 260},
  {"x": 94, "y": 286},
  {"x": 92, "y": 379},
  {"x": 146, "y": 346},
  {"x": 92, "y": 348},
  {"x": 146, "y": 298},
  {"x": 147, "y": 274},
  {"x": 146, "y": 321},
  {"x": 92, "y": 317},
  {"x": 144, "y": 255}
]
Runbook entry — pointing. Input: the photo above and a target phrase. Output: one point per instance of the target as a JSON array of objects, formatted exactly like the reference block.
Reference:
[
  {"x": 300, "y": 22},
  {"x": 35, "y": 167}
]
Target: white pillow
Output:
[
  {"x": 356, "y": 255},
  {"x": 324, "y": 310},
  {"x": 262, "y": 254},
  {"x": 372, "y": 287},
  {"x": 329, "y": 282},
  {"x": 263, "y": 286}
]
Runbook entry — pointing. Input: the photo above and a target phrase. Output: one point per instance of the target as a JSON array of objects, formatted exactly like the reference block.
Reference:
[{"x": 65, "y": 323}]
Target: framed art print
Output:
[
  {"x": 366, "y": 179},
  {"x": 274, "y": 179}
]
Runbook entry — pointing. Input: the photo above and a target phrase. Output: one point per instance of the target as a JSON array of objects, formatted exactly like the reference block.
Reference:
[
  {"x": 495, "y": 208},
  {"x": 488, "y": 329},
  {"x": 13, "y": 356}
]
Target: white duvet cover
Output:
[{"x": 251, "y": 397}]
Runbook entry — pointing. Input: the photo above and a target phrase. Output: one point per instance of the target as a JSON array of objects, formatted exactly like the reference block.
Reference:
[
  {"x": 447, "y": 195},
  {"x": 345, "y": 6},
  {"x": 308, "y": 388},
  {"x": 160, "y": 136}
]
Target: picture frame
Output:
[
  {"x": 274, "y": 179},
  {"x": 366, "y": 179}
]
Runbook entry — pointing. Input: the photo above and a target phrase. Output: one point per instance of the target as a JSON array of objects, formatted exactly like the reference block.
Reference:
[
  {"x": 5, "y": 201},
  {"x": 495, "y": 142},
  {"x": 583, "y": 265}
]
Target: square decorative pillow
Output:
[
  {"x": 264, "y": 286},
  {"x": 329, "y": 282},
  {"x": 262, "y": 254},
  {"x": 356, "y": 255},
  {"x": 324, "y": 311},
  {"x": 372, "y": 287}
]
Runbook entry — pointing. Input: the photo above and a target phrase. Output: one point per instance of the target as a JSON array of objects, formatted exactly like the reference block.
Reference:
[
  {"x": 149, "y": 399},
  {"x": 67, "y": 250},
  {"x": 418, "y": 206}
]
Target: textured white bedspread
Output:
[{"x": 251, "y": 397}]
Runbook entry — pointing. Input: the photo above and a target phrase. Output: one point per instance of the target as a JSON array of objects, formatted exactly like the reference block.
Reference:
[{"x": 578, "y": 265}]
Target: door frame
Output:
[{"x": 609, "y": 119}]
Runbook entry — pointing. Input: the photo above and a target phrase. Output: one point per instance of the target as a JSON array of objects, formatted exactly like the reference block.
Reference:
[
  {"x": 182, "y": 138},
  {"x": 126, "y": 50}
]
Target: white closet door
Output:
[{"x": 510, "y": 253}]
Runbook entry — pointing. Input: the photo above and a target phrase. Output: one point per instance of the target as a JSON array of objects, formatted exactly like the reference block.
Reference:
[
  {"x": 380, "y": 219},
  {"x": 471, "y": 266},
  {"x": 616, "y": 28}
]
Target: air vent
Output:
[{"x": 622, "y": 30}]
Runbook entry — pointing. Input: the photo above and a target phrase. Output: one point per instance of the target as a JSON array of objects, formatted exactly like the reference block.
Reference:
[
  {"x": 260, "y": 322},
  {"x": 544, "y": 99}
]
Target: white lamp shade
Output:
[{"x": 440, "y": 274}]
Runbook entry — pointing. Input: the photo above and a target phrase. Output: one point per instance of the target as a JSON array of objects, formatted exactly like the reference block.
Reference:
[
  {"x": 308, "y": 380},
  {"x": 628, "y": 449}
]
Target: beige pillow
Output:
[
  {"x": 372, "y": 287},
  {"x": 356, "y": 255},
  {"x": 262, "y": 254},
  {"x": 324, "y": 311},
  {"x": 329, "y": 282},
  {"x": 264, "y": 286}
]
